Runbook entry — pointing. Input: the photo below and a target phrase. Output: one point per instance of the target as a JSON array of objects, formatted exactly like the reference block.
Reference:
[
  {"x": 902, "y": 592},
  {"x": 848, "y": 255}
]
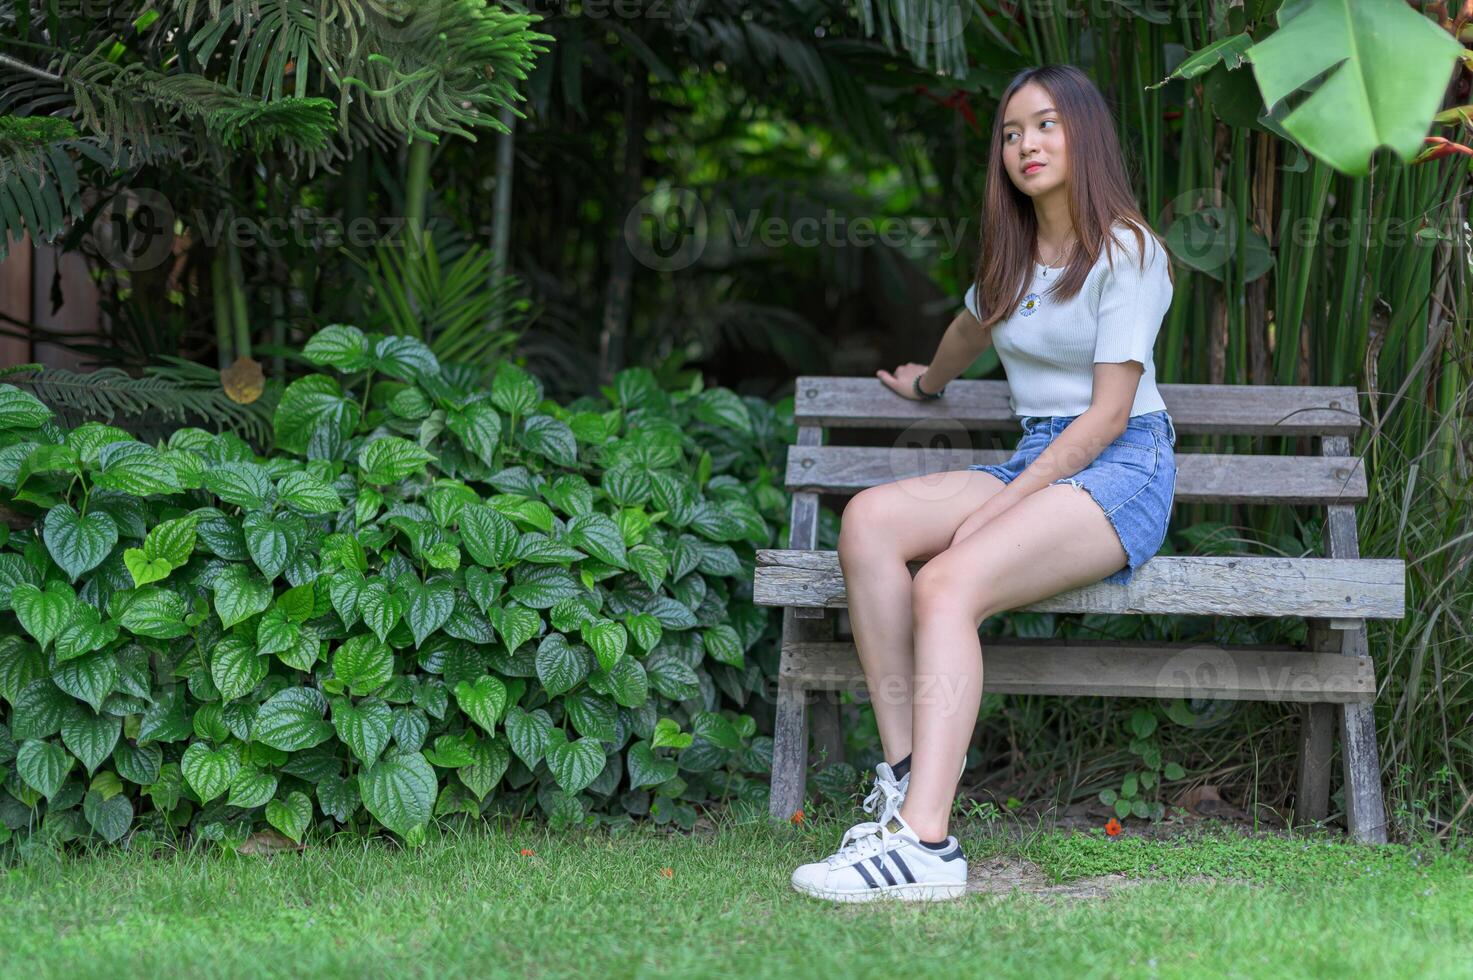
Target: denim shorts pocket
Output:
[{"x": 1139, "y": 442}]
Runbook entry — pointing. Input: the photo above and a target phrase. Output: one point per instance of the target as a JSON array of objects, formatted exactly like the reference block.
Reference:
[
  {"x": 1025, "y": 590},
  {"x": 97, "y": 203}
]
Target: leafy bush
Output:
[{"x": 428, "y": 600}]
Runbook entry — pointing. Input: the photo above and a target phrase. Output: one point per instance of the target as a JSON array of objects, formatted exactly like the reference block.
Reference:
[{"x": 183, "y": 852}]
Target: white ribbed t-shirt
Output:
[{"x": 1048, "y": 347}]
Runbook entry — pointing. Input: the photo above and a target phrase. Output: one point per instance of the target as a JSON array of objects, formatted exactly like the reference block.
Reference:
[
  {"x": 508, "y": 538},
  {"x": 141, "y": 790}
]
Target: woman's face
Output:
[{"x": 1033, "y": 142}]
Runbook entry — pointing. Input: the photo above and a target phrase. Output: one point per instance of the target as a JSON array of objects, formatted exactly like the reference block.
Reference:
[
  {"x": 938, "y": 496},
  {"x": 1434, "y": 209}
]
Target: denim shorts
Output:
[{"x": 1133, "y": 479}]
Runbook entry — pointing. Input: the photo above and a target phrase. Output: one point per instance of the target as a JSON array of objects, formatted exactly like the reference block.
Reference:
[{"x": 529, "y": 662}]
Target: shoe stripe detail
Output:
[
  {"x": 910, "y": 878},
  {"x": 859, "y": 866},
  {"x": 889, "y": 878},
  {"x": 953, "y": 856}
]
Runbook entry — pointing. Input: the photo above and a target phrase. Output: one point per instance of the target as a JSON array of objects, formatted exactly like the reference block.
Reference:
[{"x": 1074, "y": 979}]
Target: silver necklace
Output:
[{"x": 1063, "y": 252}]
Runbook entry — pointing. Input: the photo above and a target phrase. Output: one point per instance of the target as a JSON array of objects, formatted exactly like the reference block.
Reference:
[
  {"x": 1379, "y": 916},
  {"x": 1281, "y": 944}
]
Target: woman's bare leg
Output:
[
  {"x": 1054, "y": 540},
  {"x": 882, "y": 528}
]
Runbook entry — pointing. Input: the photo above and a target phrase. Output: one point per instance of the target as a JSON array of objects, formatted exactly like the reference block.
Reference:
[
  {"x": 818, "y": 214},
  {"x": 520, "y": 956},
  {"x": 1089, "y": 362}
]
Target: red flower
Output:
[
  {"x": 667, "y": 872},
  {"x": 1441, "y": 147},
  {"x": 797, "y": 817},
  {"x": 527, "y": 852},
  {"x": 1112, "y": 827}
]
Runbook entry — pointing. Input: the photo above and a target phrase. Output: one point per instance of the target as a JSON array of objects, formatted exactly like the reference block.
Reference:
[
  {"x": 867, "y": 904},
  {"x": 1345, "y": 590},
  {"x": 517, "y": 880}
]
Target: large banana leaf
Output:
[{"x": 1385, "y": 69}]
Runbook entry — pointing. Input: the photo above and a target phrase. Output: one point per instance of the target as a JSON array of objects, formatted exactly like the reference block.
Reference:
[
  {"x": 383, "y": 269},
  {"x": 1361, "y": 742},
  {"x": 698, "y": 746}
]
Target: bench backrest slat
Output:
[
  {"x": 1280, "y": 410},
  {"x": 1201, "y": 477}
]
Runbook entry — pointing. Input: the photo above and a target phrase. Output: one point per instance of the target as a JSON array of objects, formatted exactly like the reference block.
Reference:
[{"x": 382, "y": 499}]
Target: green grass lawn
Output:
[{"x": 469, "y": 903}]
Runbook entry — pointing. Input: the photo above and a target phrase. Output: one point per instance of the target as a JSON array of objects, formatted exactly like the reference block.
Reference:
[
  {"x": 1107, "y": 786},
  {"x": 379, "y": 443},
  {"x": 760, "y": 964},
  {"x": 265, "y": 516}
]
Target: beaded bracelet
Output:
[{"x": 922, "y": 394}]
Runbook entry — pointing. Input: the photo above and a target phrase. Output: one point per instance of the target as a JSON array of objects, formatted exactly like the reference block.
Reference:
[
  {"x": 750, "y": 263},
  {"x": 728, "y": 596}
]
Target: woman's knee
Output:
[
  {"x": 943, "y": 588},
  {"x": 947, "y": 589},
  {"x": 863, "y": 522}
]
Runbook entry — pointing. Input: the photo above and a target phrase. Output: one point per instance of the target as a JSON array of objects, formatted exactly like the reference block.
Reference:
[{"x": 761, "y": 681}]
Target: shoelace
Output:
[
  {"x": 872, "y": 801},
  {"x": 866, "y": 838}
]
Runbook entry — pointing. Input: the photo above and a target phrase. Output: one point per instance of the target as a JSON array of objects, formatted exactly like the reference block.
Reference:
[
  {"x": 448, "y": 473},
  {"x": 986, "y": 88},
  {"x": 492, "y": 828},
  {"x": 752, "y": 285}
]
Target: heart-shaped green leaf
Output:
[
  {"x": 239, "y": 595},
  {"x": 292, "y": 816},
  {"x": 574, "y": 764},
  {"x": 363, "y": 727},
  {"x": 21, "y": 409},
  {"x": 314, "y": 410},
  {"x": 483, "y": 701},
  {"x": 78, "y": 544},
  {"x": 110, "y": 816},
  {"x": 646, "y": 768},
  {"x": 236, "y": 667},
  {"x": 608, "y": 640},
  {"x": 145, "y": 570},
  {"x": 43, "y": 614},
  {"x": 399, "y": 790},
  {"x": 251, "y": 787},
  {"x": 42, "y": 765},
  {"x": 208, "y": 771},
  {"x": 527, "y": 732},
  {"x": 429, "y": 606},
  {"x": 267, "y": 542},
  {"x": 155, "y": 612},
  {"x": 560, "y": 665},
  {"x": 89, "y": 736},
  {"x": 389, "y": 459},
  {"x": 86, "y": 632},
  {"x": 489, "y": 762},
  {"x": 338, "y": 798},
  {"x": 381, "y": 609},
  {"x": 292, "y": 719},
  {"x": 365, "y": 663}
]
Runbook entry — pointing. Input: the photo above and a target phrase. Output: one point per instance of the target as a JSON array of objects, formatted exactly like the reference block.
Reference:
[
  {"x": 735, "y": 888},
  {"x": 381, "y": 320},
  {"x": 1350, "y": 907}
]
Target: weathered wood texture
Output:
[
  {"x": 1167, "y": 584},
  {"x": 1365, "y": 812},
  {"x": 1200, "y": 477},
  {"x": 1287, "y": 410},
  {"x": 1015, "y": 665},
  {"x": 1316, "y": 738},
  {"x": 790, "y": 753}
]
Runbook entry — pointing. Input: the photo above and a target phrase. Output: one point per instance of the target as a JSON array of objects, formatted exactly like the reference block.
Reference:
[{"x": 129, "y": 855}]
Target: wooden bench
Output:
[{"x": 1332, "y": 676}]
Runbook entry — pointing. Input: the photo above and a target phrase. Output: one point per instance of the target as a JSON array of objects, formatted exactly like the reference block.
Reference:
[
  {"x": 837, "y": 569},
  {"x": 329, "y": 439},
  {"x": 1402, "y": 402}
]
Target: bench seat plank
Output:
[
  {"x": 1286, "y": 410},
  {"x": 1013, "y": 665},
  {"x": 1362, "y": 588},
  {"x": 1200, "y": 477}
]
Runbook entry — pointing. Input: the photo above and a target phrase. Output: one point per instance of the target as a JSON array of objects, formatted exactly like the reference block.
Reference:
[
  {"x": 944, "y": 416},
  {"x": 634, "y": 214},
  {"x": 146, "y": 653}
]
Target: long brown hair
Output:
[{"x": 1099, "y": 195}]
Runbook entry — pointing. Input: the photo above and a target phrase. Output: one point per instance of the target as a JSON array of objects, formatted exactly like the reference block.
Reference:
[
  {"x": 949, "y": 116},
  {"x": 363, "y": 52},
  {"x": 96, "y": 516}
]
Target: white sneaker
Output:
[
  {"x": 886, "y": 859},
  {"x": 885, "y": 774}
]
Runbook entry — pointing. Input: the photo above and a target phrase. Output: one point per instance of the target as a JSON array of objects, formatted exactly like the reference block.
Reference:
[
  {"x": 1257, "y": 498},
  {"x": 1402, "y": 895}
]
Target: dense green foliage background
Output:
[{"x": 426, "y": 600}]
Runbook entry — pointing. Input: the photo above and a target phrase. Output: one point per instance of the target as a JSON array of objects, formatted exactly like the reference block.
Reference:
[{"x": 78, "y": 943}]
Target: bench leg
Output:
[
  {"x": 1316, "y": 743},
  {"x": 789, "y": 750},
  {"x": 1316, "y": 737},
  {"x": 1365, "y": 813}
]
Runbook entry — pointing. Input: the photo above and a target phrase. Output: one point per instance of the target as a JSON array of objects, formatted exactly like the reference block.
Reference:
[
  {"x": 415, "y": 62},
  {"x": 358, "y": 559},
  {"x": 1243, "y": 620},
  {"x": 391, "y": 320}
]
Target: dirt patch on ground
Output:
[{"x": 1004, "y": 875}]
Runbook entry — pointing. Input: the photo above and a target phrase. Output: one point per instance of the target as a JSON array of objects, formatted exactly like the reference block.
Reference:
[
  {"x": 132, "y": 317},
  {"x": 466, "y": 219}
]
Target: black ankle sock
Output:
[
  {"x": 901, "y": 768},
  {"x": 935, "y": 845}
]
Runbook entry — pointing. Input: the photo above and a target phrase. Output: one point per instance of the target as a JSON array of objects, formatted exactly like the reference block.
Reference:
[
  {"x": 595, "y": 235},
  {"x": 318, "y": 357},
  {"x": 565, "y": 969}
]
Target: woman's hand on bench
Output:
[{"x": 902, "y": 382}]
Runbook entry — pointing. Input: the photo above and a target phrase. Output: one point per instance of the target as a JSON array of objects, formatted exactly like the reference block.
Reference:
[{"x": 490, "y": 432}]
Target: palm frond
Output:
[
  {"x": 426, "y": 79},
  {"x": 180, "y": 392},
  {"x": 449, "y": 306},
  {"x": 932, "y": 31},
  {"x": 39, "y": 185},
  {"x": 134, "y": 104}
]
